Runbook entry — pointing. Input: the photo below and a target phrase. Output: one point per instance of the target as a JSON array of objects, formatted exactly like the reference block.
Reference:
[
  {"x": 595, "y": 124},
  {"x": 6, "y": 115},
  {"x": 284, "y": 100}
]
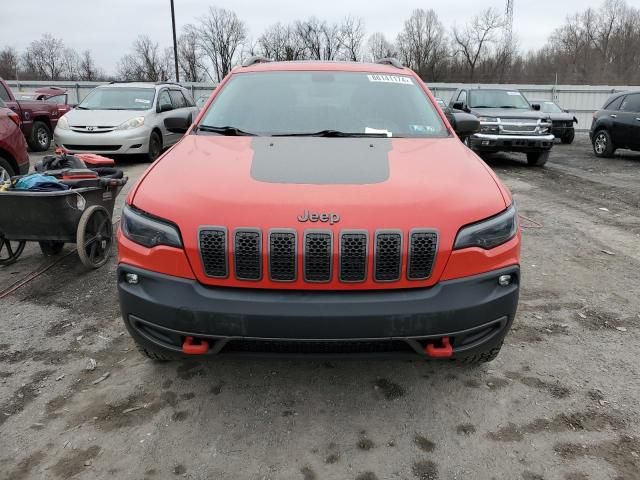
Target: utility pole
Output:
[
  {"x": 508, "y": 27},
  {"x": 175, "y": 43}
]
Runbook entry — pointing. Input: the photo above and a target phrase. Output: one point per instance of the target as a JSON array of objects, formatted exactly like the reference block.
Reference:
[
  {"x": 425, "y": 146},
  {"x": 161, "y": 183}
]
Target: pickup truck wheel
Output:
[
  {"x": 40, "y": 138},
  {"x": 481, "y": 357},
  {"x": 568, "y": 137},
  {"x": 603, "y": 144},
  {"x": 6, "y": 170},
  {"x": 537, "y": 159}
]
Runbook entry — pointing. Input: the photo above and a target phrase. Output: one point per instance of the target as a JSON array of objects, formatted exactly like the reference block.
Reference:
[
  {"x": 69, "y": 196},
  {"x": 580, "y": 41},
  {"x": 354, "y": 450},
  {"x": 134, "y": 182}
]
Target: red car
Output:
[
  {"x": 14, "y": 159},
  {"x": 322, "y": 208}
]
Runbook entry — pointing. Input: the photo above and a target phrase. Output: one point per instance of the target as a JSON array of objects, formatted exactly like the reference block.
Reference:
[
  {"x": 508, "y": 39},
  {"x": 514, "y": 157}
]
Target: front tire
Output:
[
  {"x": 155, "y": 147},
  {"x": 569, "y": 137},
  {"x": 40, "y": 138},
  {"x": 603, "y": 145},
  {"x": 152, "y": 351},
  {"x": 537, "y": 159},
  {"x": 6, "y": 170},
  {"x": 483, "y": 356}
]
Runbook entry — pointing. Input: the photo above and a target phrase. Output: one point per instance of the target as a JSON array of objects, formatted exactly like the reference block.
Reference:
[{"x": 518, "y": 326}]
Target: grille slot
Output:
[
  {"x": 353, "y": 256},
  {"x": 423, "y": 246},
  {"x": 282, "y": 256},
  {"x": 213, "y": 251},
  {"x": 388, "y": 256},
  {"x": 247, "y": 260},
  {"x": 316, "y": 347},
  {"x": 317, "y": 256}
]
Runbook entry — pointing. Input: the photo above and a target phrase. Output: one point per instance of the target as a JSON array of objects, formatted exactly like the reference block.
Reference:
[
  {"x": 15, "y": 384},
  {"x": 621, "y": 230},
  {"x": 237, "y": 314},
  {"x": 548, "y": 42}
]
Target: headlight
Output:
[
  {"x": 133, "y": 123},
  {"x": 489, "y": 233},
  {"x": 148, "y": 231},
  {"x": 63, "y": 123}
]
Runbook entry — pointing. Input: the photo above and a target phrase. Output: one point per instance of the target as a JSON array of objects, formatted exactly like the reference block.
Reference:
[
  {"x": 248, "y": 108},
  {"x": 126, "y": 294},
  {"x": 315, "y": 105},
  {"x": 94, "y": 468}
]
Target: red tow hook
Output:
[
  {"x": 191, "y": 348},
  {"x": 443, "y": 350}
]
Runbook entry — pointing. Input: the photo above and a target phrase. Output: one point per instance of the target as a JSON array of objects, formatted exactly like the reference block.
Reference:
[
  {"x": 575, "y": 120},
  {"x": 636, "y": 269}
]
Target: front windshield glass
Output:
[
  {"x": 299, "y": 103},
  {"x": 550, "y": 107},
  {"x": 119, "y": 98},
  {"x": 497, "y": 99}
]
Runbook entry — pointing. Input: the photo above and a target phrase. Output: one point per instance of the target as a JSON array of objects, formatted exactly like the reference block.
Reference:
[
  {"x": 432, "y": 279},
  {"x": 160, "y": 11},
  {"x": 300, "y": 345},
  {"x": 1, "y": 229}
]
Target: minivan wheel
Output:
[
  {"x": 603, "y": 144},
  {"x": 537, "y": 159},
  {"x": 6, "y": 170},
  {"x": 155, "y": 146},
  {"x": 40, "y": 138}
]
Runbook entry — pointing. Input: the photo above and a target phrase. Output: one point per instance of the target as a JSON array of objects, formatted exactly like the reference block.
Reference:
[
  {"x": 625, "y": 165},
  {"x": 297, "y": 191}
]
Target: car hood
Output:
[
  {"x": 102, "y": 118},
  {"x": 562, "y": 117},
  {"x": 370, "y": 183},
  {"x": 509, "y": 113}
]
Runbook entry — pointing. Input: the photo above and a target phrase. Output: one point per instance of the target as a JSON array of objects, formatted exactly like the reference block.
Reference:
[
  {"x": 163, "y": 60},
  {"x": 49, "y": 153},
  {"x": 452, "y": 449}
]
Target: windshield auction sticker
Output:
[{"x": 390, "y": 79}]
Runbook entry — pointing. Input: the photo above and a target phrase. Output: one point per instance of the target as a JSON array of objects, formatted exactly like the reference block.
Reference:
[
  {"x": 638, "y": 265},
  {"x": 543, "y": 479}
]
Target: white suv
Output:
[{"x": 124, "y": 118}]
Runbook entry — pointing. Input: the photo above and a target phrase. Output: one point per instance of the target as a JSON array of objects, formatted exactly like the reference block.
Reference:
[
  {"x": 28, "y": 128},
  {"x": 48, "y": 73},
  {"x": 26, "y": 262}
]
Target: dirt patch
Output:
[
  {"x": 618, "y": 453},
  {"x": 23, "y": 396},
  {"x": 59, "y": 328},
  {"x": 179, "y": 469},
  {"x": 496, "y": 383},
  {"x": 424, "y": 443},
  {"x": 74, "y": 461},
  {"x": 217, "y": 389},
  {"x": 527, "y": 475},
  {"x": 364, "y": 442},
  {"x": 425, "y": 470},
  {"x": 189, "y": 370},
  {"x": 23, "y": 469},
  {"x": 599, "y": 320},
  {"x": 333, "y": 454},
  {"x": 555, "y": 389},
  {"x": 180, "y": 416},
  {"x": 576, "y": 476},
  {"x": 188, "y": 396},
  {"x": 390, "y": 390},
  {"x": 367, "y": 476},
  {"x": 580, "y": 421},
  {"x": 465, "y": 429},
  {"x": 308, "y": 473}
]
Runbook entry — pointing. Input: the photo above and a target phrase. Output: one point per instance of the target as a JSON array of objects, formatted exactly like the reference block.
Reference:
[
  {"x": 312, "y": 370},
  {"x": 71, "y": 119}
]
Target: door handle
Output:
[{"x": 613, "y": 116}]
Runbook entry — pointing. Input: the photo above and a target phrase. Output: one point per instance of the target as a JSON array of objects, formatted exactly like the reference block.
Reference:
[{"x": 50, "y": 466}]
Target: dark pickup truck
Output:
[
  {"x": 38, "y": 118},
  {"x": 508, "y": 122}
]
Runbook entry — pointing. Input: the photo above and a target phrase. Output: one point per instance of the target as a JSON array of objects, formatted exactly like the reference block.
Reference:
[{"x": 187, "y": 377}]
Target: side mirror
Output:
[
  {"x": 464, "y": 124},
  {"x": 535, "y": 106},
  {"x": 458, "y": 106},
  {"x": 165, "y": 107},
  {"x": 178, "y": 124}
]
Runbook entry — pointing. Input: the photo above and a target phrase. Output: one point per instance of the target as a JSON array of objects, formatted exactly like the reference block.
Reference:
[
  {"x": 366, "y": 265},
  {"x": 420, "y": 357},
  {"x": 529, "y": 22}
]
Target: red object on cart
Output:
[{"x": 90, "y": 159}]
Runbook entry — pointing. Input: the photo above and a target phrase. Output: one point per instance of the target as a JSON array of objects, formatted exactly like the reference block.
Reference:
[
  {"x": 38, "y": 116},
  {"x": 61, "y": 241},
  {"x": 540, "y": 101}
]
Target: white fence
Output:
[{"x": 582, "y": 100}]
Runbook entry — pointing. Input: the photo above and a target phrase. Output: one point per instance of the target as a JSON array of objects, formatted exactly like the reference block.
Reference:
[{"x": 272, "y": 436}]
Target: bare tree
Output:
[
  {"x": 352, "y": 33},
  {"x": 280, "y": 42},
  {"x": 422, "y": 43},
  {"x": 70, "y": 64},
  {"x": 9, "y": 62},
  {"x": 321, "y": 40},
  {"x": 221, "y": 35},
  {"x": 87, "y": 69},
  {"x": 473, "y": 41},
  {"x": 189, "y": 55},
  {"x": 45, "y": 57},
  {"x": 146, "y": 63},
  {"x": 379, "y": 47}
]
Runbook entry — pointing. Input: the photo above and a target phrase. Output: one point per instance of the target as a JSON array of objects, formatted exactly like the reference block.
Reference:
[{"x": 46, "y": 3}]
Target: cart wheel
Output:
[
  {"x": 10, "y": 251},
  {"x": 51, "y": 247},
  {"x": 95, "y": 236}
]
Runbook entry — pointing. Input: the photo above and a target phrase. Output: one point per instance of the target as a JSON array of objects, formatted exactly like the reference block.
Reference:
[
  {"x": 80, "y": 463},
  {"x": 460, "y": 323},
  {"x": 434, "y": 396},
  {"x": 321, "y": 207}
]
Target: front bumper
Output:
[
  {"x": 515, "y": 143},
  {"x": 115, "y": 142},
  {"x": 475, "y": 312}
]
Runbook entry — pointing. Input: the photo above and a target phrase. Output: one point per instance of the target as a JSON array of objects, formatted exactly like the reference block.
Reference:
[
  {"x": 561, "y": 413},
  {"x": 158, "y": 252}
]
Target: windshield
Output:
[
  {"x": 300, "y": 103},
  {"x": 549, "y": 107},
  {"x": 498, "y": 99},
  {"x": 119, "y": 99}
]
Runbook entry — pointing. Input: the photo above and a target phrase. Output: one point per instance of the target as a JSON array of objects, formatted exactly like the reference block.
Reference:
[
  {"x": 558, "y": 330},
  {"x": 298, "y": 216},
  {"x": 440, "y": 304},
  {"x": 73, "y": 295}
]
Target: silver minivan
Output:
[{"x": 124, "y": 118}]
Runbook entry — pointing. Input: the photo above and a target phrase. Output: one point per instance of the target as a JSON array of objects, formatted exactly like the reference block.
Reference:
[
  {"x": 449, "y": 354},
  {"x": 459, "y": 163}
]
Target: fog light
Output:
[
  {"x": 503, "y": 280},
  {"x": 132, "y": 278}
]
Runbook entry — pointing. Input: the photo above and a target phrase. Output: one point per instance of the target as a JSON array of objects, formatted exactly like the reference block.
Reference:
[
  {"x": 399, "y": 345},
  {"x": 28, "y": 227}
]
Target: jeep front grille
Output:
[
  {"x": 247, "y": 254},
  {"x": 352, "y": 254}
]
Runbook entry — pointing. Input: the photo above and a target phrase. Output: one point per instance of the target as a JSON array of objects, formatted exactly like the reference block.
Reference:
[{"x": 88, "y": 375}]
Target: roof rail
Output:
[
  {"x": 390, "y": 61},
  {"x": 255, "y": 59}
]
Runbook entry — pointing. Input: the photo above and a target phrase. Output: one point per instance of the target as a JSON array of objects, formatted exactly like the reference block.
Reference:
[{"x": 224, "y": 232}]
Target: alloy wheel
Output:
[{"x": 600, "y": 143}]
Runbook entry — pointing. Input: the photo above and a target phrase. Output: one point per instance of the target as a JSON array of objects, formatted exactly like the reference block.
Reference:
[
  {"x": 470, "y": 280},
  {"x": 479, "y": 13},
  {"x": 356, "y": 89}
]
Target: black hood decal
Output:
[{"x": 318, "y": 160}]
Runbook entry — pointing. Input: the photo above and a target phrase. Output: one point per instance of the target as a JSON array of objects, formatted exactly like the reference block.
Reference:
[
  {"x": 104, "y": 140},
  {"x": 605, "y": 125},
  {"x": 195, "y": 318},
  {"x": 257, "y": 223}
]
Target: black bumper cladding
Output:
[{"x": 474, "y": 312}]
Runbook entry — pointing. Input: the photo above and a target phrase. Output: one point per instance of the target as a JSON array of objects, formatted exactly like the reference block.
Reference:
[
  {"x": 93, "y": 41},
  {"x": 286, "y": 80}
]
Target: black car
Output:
[
  {"x": 561, "y": 120},
  {"x": 508, "y": 122},
  {"x": 617, "y": 124}
]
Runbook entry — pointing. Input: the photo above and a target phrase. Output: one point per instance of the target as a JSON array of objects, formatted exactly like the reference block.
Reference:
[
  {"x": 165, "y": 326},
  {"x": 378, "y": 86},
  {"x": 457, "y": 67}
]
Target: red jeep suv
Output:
[{"x": 320, "y": 208}]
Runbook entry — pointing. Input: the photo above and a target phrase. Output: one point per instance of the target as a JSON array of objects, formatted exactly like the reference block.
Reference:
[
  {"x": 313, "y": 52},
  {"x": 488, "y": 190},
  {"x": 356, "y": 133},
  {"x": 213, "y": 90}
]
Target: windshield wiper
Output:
[
  {"x": 481, "y": 106},
  {"x": 331, "y": 133},
  {"x": 510, "y": 106},
  {"x": 230, "y": 131},
  {"x": 79, "y": 107}
]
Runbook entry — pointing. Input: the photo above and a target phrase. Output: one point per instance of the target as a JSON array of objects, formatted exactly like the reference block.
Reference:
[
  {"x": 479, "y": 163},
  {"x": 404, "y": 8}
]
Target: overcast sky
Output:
[{"x": 108, "y": 27}]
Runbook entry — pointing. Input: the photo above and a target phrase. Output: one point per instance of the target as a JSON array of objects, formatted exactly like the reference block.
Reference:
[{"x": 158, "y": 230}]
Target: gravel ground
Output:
[{"x": 561, "y": 402}]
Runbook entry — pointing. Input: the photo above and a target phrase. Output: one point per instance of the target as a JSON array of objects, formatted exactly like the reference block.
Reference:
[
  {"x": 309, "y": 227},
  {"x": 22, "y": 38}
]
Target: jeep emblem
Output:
[{"x": 308, "y": 216}]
